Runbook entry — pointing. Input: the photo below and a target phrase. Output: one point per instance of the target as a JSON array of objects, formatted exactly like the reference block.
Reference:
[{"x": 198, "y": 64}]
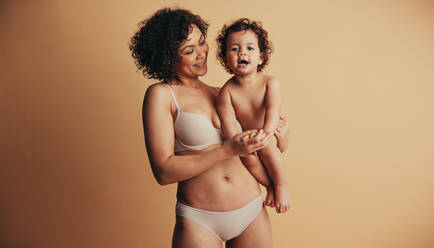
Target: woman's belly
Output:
[{"x": 225, "y": 187}]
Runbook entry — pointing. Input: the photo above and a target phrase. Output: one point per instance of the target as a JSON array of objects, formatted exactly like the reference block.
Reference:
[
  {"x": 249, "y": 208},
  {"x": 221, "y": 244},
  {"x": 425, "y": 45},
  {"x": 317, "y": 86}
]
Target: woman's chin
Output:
[{"x": 202, "y": 72}]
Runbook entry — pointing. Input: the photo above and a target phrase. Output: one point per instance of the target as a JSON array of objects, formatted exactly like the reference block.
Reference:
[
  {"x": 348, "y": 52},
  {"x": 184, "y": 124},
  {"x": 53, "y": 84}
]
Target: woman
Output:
[{"x": 218, "y": 200}]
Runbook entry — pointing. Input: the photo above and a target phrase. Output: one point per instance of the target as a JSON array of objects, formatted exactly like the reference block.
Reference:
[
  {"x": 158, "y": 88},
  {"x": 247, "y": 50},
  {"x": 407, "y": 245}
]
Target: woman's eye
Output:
[
  {"x": 190, "y": 51},
  {"x": 202, "y": 43}
]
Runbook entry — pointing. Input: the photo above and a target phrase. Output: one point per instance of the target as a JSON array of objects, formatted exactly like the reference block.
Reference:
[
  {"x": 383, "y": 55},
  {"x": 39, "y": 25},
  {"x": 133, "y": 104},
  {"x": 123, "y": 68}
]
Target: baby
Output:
[{"x": 253, "y": 98}]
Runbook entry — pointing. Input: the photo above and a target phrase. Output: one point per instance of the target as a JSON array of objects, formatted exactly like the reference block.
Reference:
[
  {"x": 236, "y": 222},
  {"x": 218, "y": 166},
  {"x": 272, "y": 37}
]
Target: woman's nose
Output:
[{"x": 201, "y": 54}]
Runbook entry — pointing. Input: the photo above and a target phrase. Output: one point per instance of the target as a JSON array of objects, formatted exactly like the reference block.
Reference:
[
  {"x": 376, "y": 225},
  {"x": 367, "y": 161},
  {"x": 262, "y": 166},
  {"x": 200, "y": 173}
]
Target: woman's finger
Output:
[
  {"x": 261, "y": 143},
  {"x": 254, "y": 139},
  {"x": 256, "y": 147},
  {"x": 266, "y": 137},
  {"x": 259, "y": 133},
  {"x": 278, "y": 132},
  {"x": 246, "y": 134}
]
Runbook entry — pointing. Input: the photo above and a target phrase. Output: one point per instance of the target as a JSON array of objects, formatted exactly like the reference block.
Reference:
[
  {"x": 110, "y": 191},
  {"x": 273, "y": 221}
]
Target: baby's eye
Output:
[
  {"x": 250, "y": 48},
  {"x": 234, "y": 49}
]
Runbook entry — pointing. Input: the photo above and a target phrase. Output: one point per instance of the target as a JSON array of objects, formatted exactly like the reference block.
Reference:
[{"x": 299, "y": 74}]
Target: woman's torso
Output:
[{"x": 227, "y": 185}]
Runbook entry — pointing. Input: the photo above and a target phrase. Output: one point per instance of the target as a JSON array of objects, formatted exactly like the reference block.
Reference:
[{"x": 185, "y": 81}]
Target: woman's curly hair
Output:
[
  {"x": 155, "y": 45},
  {"x": 243, "y": 24}
]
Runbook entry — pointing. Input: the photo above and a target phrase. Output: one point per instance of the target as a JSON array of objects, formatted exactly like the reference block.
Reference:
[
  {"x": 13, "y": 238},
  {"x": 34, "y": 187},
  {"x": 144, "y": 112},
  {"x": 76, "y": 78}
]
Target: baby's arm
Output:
[
  {"x": 227, "y": 113},
  {"x": 272, "y": 105}
]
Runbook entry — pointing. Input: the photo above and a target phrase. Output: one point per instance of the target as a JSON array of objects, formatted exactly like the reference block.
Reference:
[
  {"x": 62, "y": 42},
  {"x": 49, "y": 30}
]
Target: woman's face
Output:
[{"x": 193, "y": 54}]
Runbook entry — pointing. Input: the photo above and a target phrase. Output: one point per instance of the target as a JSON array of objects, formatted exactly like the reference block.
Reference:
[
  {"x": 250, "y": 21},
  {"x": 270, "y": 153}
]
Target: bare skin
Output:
[
  {"x": 212, "y": 179},
  {"x": 253, "y": 98}
]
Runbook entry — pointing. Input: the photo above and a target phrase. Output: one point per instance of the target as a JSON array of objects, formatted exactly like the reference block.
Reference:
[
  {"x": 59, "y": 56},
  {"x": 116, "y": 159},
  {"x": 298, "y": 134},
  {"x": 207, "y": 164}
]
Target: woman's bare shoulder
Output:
[
  {"x": 157, "y": 88},
  {"x": 157, "y": 92}
]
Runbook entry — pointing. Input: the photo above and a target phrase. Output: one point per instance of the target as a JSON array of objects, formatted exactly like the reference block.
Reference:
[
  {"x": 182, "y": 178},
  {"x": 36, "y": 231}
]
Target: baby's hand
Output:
[
  {"x": 248, "y": 142},
  {"x": 259, "y": 134}
]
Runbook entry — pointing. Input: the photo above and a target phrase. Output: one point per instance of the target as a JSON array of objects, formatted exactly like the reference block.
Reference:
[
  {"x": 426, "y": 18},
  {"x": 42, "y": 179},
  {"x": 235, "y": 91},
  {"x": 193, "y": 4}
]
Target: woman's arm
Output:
[
  {"x": 272, "y": 106},
  {"x": 226, "y": 112},
  {"x": 282, "y": 134},
  {"x": 159, "y": 137}
]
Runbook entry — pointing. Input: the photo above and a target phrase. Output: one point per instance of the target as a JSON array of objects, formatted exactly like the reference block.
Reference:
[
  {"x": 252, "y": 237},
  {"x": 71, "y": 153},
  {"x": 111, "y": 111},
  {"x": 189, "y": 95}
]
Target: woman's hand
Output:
[
  {"x": 282, "y": 127},
  {"x": 282, "y": 133},
  {"x": 248, "y": 142}
]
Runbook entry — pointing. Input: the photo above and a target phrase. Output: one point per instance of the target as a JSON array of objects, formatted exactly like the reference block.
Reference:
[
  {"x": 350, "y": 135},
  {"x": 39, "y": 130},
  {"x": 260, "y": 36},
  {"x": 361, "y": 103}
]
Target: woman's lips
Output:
[{"x": 201, "y": 65}]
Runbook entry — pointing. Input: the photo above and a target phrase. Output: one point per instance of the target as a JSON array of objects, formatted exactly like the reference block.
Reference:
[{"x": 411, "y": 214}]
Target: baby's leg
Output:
[
  {"x": 255, "y": 167},
  {"x": 273, "y": 162}
]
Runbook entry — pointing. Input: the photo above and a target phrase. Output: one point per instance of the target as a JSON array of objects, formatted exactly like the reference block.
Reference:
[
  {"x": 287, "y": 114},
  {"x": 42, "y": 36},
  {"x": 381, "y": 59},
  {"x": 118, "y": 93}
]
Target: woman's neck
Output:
[{"x": 190, "y": 82}]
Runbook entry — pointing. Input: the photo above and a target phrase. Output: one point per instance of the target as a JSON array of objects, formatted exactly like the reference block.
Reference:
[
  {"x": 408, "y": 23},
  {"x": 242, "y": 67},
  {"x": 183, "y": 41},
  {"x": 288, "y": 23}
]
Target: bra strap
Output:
[{"x": 174, "y": 98}]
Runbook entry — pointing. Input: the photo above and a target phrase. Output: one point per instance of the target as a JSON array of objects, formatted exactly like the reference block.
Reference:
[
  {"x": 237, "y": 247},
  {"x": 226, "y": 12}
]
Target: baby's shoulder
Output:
[
  {"x": 229, "y": 83},
  {"x": 270, "y": 80}
]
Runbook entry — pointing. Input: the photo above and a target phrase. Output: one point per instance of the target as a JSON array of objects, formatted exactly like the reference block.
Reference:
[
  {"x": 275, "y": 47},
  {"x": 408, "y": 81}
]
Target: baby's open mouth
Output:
[{"x": 243, "y": 62}]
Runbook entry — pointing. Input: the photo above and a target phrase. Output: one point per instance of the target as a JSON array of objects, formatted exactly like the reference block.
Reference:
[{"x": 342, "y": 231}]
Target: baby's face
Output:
[{"x": 242, "y": 54}]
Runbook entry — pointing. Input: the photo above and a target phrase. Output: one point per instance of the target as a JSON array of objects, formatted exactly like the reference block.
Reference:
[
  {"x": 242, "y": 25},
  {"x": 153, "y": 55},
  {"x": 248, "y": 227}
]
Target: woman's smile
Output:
[{"x": 201, "y": 65}]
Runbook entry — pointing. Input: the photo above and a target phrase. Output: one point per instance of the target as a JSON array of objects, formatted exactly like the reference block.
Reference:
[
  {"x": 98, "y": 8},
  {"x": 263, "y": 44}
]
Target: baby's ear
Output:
[{"x": 261, "y": 58}]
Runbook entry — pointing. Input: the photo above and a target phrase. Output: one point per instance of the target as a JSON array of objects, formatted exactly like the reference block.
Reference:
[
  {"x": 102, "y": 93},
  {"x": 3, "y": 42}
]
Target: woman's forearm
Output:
[
  {"x": 178, "y": 168},
  {"x": 172, "y": 168}
]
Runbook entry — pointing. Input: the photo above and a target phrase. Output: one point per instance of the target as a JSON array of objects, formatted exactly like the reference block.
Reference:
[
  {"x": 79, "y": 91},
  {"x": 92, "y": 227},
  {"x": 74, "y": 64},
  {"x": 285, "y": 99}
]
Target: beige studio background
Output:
[{"x": 358, "y": 83}]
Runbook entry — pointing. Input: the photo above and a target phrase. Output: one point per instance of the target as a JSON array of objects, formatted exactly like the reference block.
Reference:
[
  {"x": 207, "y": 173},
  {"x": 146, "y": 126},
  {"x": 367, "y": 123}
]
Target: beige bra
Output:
[{"x": 194, "y": 131}]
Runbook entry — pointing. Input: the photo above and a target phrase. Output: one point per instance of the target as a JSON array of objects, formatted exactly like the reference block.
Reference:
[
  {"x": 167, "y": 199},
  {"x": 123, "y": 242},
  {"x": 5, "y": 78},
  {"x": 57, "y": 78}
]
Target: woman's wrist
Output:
[{"x": 227, "y": 149}]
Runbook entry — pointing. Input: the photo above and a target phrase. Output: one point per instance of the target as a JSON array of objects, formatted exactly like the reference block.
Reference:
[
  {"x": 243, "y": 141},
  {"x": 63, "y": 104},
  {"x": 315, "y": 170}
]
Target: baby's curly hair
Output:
[
  {"x": 243, "y": 24},
  {"x": 155, "y": 45}
]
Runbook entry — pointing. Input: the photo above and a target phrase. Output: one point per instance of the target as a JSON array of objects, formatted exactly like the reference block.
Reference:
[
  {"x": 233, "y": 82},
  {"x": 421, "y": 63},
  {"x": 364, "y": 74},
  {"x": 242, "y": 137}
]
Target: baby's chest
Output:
[
  {"x": 245, "y": 101},
  {"x": 250, "y": 113}
]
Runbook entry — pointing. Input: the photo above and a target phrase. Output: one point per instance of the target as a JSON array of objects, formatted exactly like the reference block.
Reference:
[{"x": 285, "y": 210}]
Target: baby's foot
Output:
[
  {"x": 282, "y": 198},
  {"x": 269, "y": 199}
]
